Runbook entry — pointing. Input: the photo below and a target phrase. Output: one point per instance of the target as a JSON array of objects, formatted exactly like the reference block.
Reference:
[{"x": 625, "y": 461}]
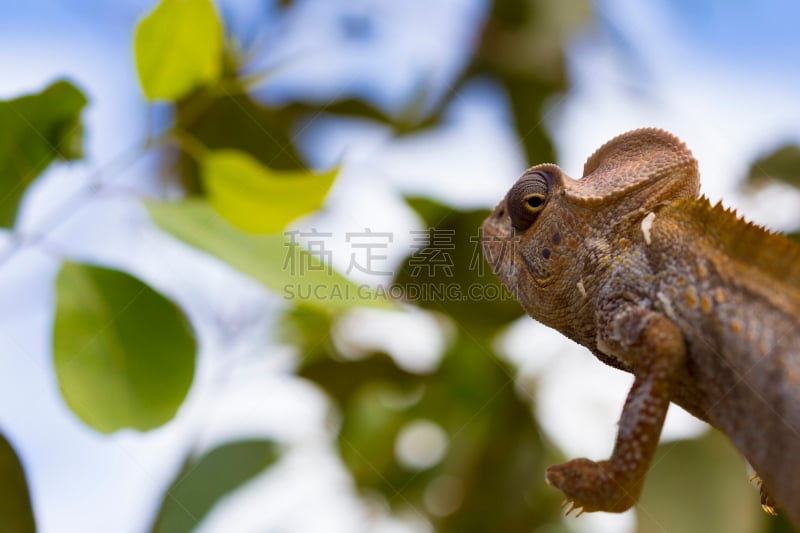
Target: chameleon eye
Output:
[
  {"x": 534, "y": 202},
  {"x": 527, "y": 199}
]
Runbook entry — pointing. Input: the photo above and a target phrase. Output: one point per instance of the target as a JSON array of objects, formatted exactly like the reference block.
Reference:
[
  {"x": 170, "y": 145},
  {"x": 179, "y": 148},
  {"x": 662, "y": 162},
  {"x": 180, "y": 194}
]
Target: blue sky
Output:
[{"x": 733, "y": 31}]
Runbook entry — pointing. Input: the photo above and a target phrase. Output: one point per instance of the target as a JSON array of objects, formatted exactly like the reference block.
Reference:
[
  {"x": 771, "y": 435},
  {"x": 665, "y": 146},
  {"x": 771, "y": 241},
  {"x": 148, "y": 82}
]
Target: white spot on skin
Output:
[
  {"x": 581, "y": 289},
  {"x": 666, "y": 303},
  {"x": 647, "y": 223}
]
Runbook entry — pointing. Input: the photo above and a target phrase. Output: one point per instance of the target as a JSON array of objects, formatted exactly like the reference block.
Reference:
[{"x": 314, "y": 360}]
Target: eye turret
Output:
[{"x": 527, "y": 199}]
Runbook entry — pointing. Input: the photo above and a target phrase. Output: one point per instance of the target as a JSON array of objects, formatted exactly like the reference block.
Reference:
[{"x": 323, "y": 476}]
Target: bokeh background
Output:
[{"x": 322, "y": 415}]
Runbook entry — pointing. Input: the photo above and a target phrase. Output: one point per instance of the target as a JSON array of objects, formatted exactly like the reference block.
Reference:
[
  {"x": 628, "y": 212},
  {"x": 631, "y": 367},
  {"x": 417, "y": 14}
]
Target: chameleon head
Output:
[
  {"x": 529, "y": 238},
  {"x": 535, "y": 240}
]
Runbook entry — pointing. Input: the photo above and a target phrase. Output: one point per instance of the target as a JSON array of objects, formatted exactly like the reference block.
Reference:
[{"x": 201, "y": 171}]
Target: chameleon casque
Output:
[{"x": 701, "y": 306}]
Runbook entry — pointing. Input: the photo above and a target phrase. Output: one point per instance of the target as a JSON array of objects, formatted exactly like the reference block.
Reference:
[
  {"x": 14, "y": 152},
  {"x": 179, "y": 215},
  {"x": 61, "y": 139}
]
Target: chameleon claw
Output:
[
  {"x": 564, "y": 503},
  {"x": 573, "y": 507},
  {"x": 769, "y": 509}
]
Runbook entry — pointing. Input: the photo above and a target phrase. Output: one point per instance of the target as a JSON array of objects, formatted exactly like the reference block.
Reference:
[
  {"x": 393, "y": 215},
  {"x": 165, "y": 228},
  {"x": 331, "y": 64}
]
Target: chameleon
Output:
[{"x": 701, "y": 306}]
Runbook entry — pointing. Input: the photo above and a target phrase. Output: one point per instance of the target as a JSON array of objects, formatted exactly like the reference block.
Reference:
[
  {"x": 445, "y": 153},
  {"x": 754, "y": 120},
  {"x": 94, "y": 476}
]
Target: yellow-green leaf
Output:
[
  {"x": 178, "y": 48},
  {"x": 258, "y": 199},
  {"x": 16, "y": 514},
  {"x": 295, "y": 274},
  {"x": 35, "y": 129},
  {"x": 124, "y": 354}
]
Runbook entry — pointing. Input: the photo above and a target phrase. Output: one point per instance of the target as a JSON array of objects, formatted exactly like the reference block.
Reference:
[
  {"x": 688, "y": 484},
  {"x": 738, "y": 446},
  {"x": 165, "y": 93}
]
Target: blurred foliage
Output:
[
  {"x": 496, "y": 455},
  {"x": 781, "y": 165},
  {"x": 706, "y": 479},
  {"x": 523, "y": 48},
  {"x": 124, "y": 354},
  {"x": 226, "y": 117},
  {"x": 202, "y": 481},
  {"x": 16, "y": 514},
  {"x": 450, "y": 258},
  {"x": 34, "y": 130}
]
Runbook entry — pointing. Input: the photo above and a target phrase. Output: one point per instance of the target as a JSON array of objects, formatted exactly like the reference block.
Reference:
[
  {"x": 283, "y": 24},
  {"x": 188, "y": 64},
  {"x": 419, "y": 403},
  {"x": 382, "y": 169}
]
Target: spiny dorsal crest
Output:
[{"x": 770, "y": 252}]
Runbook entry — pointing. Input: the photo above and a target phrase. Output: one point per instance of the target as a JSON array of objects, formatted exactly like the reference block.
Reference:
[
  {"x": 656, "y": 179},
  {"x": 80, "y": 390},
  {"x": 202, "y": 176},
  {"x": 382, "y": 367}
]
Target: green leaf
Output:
[
  {"x": 34, "y": 130},
  {"x": 699, "y": 485},
  {"x": 272, "y": 260},
  {"x": 178, "y": 48},
  {"x": 16, "y": 513},
  {"x": 124, "y": 354},
  {"x": 203, "y": 481},
  {"x": 308, "y": 330},
  {"x": 232, "y": 119},
  {"x": 257, "y": 199},
  {"x": 782, "y": 165}
]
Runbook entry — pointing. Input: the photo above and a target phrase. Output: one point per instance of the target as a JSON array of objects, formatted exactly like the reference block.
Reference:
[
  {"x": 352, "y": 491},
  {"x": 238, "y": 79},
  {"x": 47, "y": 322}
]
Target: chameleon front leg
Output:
[{"x": 655, "y": 346}]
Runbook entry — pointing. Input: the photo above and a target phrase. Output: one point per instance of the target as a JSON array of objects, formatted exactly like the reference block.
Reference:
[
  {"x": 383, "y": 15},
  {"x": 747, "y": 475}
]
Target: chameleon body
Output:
[{"x": 702, "y": 307}]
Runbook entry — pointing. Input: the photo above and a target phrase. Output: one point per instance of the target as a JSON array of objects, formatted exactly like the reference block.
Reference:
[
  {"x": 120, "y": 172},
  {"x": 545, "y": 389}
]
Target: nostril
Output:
[{"x": 501, "y": 211}]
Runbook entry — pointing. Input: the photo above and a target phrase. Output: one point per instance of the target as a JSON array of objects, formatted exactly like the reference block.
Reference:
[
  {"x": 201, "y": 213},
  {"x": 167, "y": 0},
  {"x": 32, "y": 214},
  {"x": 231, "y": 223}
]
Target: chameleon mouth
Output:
[
  {"x": 497, "y": 226},
  {"x": 501, "y": 249},
  {"x": 497, "y": 240}
]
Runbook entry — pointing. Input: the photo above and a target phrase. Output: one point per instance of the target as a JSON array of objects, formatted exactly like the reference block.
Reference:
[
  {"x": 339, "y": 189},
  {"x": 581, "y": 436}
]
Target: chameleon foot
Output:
[
  {"x": 591, "y": 486},
  {"x": 767, "y": 503}
]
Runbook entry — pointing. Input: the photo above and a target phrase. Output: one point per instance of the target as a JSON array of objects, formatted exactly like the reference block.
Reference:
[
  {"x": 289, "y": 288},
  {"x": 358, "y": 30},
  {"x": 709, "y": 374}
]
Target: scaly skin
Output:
[{"x": 702, "y": 307}]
